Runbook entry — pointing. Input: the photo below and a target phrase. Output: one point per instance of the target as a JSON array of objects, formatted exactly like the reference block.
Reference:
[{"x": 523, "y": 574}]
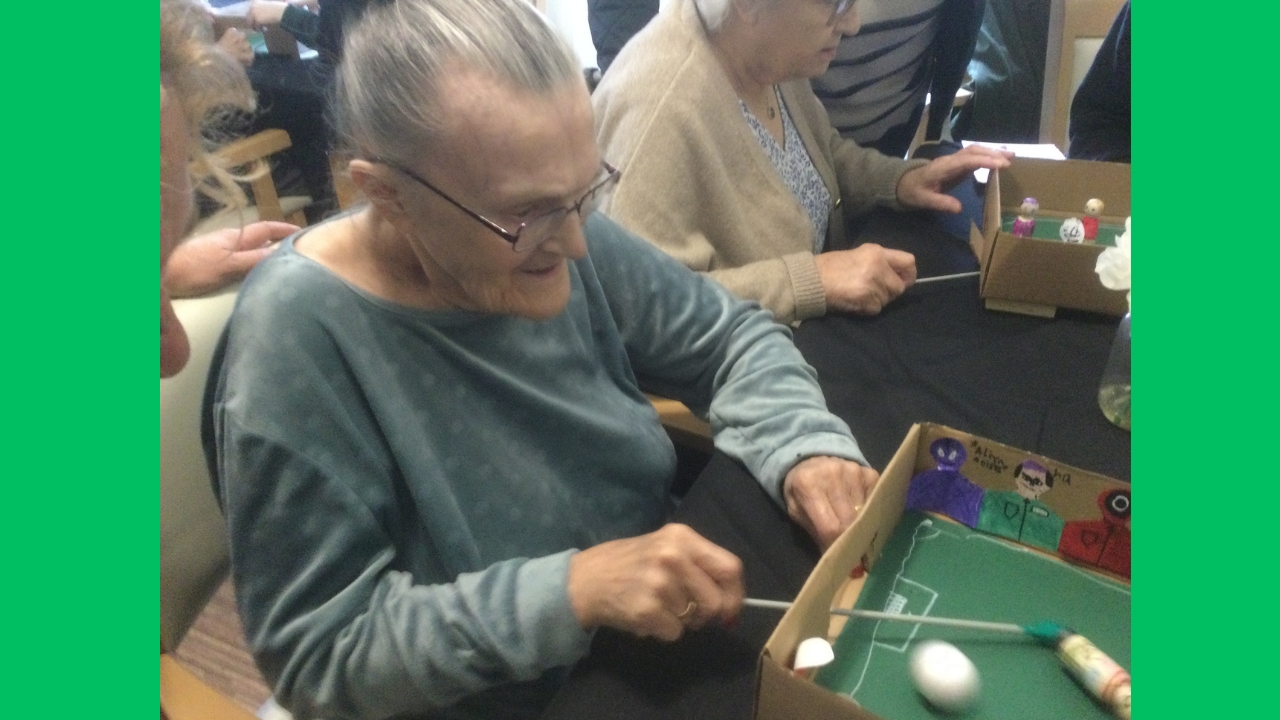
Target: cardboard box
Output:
[
  {"x": 1035, "y": 276},
  {"x": 780, "y": 694}
]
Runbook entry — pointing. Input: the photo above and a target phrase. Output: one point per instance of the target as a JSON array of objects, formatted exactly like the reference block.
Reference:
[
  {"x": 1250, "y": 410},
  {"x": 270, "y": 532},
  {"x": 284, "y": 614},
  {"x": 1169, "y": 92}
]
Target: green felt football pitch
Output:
[{"x": 936, "y": 567}]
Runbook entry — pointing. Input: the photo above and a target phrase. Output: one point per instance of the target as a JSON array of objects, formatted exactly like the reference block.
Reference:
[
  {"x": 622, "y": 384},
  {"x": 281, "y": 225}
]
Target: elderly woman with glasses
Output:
[
  {"x": 732, "y": 167},
  {"x": 425, "y": 418}
]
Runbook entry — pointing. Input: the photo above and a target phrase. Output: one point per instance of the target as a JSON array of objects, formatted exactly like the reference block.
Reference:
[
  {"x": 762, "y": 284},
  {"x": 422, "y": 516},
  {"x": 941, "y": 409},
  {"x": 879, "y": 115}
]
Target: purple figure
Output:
[
  {"x": 945, "y": 490},
  {"x": 1025, "y": 224}
]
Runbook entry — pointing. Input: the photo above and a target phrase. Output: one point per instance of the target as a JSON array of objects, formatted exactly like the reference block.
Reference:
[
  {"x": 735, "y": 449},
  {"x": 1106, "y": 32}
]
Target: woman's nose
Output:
[
  {"x": 569, "y": 239},
  {"x": 850, "y": 22}
]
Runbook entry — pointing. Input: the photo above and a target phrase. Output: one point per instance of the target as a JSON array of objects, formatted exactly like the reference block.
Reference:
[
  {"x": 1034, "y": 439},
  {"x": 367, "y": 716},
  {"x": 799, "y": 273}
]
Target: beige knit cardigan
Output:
[{"x": 696, "y": 183}]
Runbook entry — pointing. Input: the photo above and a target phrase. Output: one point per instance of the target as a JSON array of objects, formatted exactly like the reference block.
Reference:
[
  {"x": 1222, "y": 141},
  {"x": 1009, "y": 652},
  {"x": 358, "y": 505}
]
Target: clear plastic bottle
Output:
[{"x": 1114, "y": 393}]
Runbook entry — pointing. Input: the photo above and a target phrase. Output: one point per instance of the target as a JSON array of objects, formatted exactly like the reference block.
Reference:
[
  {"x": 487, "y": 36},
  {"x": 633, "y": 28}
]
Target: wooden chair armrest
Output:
[
  {"x": 184, "y": 697},
  {"x": 255, "y": 147},
  {"x": 681, "y": 424}
]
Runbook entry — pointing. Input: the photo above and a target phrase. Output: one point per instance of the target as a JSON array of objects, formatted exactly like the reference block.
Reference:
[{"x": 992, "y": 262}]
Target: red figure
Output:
[
  {"x": 1092, "y": 211},
  {"x": 1102, "y": 543}
]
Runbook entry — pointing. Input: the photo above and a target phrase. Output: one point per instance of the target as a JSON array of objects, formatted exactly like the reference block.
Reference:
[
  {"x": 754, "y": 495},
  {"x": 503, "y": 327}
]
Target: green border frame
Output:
[
  {"x": 1203, "y": 153},
  {"x": 82, "y": 440},
  {"x": 83, "y": 435}
]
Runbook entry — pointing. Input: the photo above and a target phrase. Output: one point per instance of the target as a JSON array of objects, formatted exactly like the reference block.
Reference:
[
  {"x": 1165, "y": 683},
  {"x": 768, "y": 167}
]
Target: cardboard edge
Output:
[
  {"x": 1022, "y": 308},
  {"x": 983, "y": 242},
  {"x": 809, "y": 615},
  {"x": 780, "y": 695}
]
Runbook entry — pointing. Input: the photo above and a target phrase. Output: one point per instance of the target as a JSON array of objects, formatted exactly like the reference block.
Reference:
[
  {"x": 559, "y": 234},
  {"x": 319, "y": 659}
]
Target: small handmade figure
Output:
[
  {"x": 1020, "y": 515},
  {"x": 1025, "y": 224},
  {"x": 1072, "y": 231},
  {"x": 1092, "y": 211},
  {"x": 1103, "y": 543},
  {"x": 944, "y": 489}
]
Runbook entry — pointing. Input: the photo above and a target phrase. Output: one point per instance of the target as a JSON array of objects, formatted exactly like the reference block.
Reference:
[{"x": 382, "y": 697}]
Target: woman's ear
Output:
[{"x": 377, "y": 185}]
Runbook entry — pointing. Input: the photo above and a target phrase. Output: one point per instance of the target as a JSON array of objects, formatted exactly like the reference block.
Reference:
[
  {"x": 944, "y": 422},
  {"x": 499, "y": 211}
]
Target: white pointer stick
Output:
[
  {"x": 898, "y": 617},
  {"x": 957, "y": 276}
]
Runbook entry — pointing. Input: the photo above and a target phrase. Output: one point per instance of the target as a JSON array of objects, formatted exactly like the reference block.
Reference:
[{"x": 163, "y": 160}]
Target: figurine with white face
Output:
[
  {"x": 1031, "y": 480},
  {"x": 1072, "y": 231},
  {"x": 1025, "y": 224},
  {"x": 1092, "y": 211}
]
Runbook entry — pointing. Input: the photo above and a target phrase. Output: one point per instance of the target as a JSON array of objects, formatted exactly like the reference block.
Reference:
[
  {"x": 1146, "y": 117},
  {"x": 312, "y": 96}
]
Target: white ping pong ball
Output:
[
  {"x": 944, "y": 676},
  {"x": 1072, "y": 230}
]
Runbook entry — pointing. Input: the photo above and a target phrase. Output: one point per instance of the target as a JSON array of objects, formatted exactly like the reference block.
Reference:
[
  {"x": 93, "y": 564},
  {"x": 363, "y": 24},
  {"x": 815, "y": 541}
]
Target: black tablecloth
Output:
[
  {"x": 936, "y": 354},
  {"x": 933, "y": 355}
]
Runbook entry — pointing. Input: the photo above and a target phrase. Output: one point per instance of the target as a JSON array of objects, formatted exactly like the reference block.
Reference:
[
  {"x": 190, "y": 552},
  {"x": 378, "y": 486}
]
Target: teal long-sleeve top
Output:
[{"x": 404, "y": 488}]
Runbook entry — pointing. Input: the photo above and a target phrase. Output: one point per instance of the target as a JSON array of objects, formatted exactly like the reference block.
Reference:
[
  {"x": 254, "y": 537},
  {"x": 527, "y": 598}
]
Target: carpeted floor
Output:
[{"x": 214, "y": 650}]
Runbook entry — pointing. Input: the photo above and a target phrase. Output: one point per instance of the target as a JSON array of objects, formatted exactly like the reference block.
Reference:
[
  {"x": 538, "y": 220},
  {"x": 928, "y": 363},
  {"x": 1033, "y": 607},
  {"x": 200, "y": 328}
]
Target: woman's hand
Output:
[
  {"x": 265, "y": 12},
  {"x": 213, "y": 260},
  {"x": 926, "y": 186},
  {"x": 237, "y": 45},
  {"x": 865, "y": 279},
  {"x": 657, "y": 584},
  {"x": 825, "y": 494}
]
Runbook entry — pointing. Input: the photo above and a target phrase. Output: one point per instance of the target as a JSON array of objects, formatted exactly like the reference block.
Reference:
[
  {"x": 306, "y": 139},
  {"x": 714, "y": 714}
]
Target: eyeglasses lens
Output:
[{"x": 541, "y": 228}]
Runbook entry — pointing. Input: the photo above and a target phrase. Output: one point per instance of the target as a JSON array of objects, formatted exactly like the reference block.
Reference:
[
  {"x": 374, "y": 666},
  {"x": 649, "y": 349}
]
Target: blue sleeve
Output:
[
  {"x": 340, "y": 625},
  {"x": 688, "y": 338}
]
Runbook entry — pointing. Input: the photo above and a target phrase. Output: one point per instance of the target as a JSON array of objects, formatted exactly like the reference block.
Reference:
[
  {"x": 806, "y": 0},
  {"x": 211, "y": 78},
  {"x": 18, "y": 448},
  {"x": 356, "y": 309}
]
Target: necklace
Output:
[{"x": 774, "y": 101}]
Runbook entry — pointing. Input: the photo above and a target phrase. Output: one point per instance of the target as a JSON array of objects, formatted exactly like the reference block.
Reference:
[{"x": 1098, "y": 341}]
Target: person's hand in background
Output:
[
  {"x": 265, "y": 12},
  {"x": 207, "y": 262},
  {"x": 237, "y": 45}
]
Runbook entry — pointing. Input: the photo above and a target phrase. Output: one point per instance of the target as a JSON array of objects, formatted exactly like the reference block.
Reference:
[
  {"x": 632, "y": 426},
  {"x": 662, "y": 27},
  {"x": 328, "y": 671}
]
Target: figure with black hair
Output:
[{"x": 1020, "y": 515}]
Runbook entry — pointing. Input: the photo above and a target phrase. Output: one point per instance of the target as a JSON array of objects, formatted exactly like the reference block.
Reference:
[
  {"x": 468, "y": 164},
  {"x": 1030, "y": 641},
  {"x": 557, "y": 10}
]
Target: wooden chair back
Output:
[{"x": 1076, "y": 30}]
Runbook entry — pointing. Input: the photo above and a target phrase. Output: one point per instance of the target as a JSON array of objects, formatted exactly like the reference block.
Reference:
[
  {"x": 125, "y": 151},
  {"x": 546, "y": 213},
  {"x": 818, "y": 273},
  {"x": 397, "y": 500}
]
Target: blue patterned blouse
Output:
[{"x": 796, "y": 168}]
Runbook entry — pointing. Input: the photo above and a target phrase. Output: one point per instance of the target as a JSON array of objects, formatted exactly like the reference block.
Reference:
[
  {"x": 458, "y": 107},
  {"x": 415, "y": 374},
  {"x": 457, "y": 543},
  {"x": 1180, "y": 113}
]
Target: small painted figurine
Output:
[
  {"x": 1020, "y": 515},
  {"x": 1072, "y": 231},
  {"x": 1092, "y": 211},
  {"x": 1025, "y": 224},
  {"x": 1102, "y": 543},
  {"x": 945, "y": 490}
]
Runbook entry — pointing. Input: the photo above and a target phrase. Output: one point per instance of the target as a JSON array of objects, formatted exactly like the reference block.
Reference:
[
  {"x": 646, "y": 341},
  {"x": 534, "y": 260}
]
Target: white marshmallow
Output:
[{"x": 944, "y": 676}]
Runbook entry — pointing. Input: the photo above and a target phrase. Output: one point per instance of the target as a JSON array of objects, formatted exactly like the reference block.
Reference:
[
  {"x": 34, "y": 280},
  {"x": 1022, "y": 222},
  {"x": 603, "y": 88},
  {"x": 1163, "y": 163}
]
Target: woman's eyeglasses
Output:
[
  {"x": 531, "y": 233},
  {"x": 839, "y": 8}
]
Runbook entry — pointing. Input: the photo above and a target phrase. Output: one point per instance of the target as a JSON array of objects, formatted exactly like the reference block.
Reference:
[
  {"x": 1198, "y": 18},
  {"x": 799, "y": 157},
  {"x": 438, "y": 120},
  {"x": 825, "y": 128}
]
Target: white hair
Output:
[
  {"x": 713, "y": 12},
  {"x": 386, "y": 99}
]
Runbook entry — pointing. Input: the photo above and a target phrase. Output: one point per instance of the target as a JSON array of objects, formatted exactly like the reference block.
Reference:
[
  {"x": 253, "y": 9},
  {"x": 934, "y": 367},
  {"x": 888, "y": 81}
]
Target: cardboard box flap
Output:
[
  {"x": 782, "y": 696},
  {"x": 990, "y": 465},
  {"x": 1020, "y": 269},
  {"x": 809, "y": 616},
  {"x": 1065, "y": 185},
  {"x": 982, "y": 242}
]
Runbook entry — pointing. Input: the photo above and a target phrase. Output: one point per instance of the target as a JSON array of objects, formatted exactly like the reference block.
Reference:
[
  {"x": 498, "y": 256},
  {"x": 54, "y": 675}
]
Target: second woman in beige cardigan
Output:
[{"x": 697, "y": 183}]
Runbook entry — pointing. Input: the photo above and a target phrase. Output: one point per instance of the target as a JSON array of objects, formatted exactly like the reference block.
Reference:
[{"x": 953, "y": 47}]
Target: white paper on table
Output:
[{"x": 1045, "y": 151}]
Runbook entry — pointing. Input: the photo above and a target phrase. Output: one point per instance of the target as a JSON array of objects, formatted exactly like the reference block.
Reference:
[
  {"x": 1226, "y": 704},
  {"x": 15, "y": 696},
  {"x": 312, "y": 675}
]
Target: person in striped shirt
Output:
[{"x": 876, "y": 87}]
